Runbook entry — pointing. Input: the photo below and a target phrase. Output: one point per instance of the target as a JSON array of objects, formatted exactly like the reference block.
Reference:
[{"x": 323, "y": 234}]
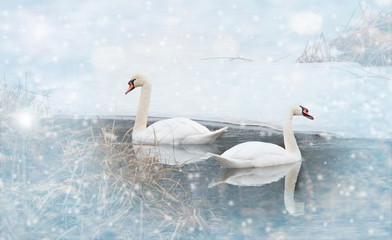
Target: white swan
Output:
[
  {"x": 261, "y": 154},
  {"x": 169, "y": 131}
]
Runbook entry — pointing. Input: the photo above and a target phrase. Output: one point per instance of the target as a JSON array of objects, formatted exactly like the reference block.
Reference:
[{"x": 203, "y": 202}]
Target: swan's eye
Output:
[
  {"x": 131, "y": 82},
  {"x": 131, "y": 86}
]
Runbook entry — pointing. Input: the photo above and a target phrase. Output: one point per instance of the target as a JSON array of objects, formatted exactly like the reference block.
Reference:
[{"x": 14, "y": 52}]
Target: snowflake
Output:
[
  {"x": 306, "y": 23},
  {"x": 320, "y": 177},
  {"x": 24, "y": 118}
]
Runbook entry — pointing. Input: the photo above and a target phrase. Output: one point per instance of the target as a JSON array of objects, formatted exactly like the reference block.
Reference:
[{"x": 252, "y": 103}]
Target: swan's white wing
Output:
[
  {"x": 255, "y": 154},
  {"x": 173, "y": 131},
  {"x": 253, "y": 150}
]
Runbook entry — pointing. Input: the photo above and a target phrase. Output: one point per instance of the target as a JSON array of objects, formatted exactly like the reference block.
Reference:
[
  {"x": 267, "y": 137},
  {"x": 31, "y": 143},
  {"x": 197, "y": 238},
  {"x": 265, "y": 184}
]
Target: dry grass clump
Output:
[
  {"x": 131, "y": 181},
  {"x": 94, "y": 187},
  {"x": 366, "y": 39},
  {"x": 316, "y": 51},
  {"x": 59, "y": 181}
]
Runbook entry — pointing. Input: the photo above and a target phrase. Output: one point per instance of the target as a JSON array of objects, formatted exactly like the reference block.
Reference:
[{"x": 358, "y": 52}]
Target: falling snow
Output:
[{"x": 72, "y": 60}]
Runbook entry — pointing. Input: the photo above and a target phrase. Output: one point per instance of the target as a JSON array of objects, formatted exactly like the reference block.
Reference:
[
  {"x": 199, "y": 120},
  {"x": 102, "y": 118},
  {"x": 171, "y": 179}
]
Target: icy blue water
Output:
[{"x": 343, "y": 191}]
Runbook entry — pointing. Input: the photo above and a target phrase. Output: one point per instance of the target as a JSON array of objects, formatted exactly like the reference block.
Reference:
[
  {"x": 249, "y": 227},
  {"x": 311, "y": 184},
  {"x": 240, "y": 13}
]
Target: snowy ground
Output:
[
  {"x": 85, "y": 53},
  {"x": 249, "y": 93}
]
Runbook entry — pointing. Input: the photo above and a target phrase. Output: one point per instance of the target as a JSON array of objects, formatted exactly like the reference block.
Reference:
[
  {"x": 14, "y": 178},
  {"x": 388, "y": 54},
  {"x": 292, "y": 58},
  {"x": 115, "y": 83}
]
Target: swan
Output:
[
  {"x": 261, "y": 154},
  {"x": 265, "y": 175},
  {"x": 169, "y": 131}
]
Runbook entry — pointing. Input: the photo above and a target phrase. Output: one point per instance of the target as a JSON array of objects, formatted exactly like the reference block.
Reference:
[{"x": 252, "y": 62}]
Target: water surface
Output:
[{"x": 340, "y": 190}]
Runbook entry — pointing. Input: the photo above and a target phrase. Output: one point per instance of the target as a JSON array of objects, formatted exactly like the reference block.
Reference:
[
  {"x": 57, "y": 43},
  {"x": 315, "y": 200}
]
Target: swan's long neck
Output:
[
  {"x": 290, "y": 143},
  {"x": 142, "y": 111}
]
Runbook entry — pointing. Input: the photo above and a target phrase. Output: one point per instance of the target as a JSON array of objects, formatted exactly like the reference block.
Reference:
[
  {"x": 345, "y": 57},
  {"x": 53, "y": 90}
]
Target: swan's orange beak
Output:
[
  {"x": 309, "y": 116},
  {"x": 131, "y": 87},
  {"x": 306, "y": 114}
]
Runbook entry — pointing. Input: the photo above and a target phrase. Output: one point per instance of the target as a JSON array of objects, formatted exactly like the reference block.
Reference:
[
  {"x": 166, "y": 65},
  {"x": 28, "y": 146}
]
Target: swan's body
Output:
[
  {"x": 255, "y": 154},
  {"x": 261, "y": 154},
  {"x": 176, "y": 131},
  {"x": 169, "y": 131}
]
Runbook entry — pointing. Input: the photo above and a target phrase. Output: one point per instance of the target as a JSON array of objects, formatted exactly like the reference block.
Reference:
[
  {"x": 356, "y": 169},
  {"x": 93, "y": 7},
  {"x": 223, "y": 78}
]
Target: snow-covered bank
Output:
[
  {"x": 85, "y": 56},
  {"x": 255, "y": 93}
]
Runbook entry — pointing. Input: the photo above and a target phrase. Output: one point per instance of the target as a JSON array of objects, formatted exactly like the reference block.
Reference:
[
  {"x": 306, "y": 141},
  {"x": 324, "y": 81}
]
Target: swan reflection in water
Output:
[
  {"x": 266, "y": 175},
  {"x": 176, "y": 154}
]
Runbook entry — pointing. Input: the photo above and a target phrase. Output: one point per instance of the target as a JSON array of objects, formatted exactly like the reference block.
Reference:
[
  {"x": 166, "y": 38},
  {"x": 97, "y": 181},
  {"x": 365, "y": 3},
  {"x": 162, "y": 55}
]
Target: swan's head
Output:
[
  {"x": 302, "y": 111},
  {"x": 137, "y": 80}
]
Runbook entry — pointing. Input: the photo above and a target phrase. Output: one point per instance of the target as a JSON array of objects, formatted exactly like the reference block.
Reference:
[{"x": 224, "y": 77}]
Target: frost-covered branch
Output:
[{"x": 230, "y": 58}]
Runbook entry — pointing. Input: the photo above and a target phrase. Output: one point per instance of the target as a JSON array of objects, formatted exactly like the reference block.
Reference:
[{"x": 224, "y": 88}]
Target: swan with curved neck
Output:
[
  {"x": 168, "y": 131},
  {"x": 261, "y": 154}
]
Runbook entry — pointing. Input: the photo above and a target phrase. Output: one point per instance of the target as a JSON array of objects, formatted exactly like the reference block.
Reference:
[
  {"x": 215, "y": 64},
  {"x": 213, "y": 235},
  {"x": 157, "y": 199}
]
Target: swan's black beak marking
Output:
[
  {"x": 131, "y": 86},
  {"x": 305, "y": 113}
]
